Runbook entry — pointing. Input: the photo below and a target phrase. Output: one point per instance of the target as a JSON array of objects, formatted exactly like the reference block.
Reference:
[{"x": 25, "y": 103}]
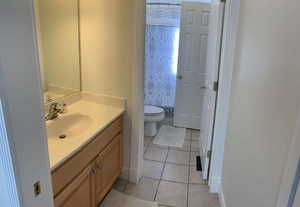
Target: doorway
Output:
[
  {"x": 161, "y": 56},
  {"x": 167, "y": 166},
  {"x": 181, "y": 77}
]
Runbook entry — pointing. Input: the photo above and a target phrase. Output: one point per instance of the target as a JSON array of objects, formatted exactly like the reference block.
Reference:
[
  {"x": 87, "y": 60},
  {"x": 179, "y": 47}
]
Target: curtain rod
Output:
[{"x": 165, "y": 4}]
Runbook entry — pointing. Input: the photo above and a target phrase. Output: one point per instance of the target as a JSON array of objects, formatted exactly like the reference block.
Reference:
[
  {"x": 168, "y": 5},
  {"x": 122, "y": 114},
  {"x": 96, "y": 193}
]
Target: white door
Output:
[
  {"x": 210, "y": 94},
  {"x": 191, "y": 64}
]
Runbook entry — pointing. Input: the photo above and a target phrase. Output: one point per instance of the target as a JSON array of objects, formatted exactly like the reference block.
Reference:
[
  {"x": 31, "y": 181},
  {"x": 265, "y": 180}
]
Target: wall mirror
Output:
[{"x": 57, "y": 25}]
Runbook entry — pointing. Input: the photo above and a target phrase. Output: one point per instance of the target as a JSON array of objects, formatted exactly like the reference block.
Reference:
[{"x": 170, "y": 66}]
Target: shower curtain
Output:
[{"x": 161, "y": 65}]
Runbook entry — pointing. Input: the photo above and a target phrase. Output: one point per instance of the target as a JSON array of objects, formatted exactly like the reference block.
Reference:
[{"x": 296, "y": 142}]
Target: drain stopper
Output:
[{"x": 62, "y": 136}]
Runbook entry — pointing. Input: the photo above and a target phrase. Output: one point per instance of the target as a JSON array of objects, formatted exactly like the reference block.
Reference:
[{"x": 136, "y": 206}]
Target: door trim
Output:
[
  {"x": 231, "y": 21},
  {"x": 137, "y": 124},
  {"x": 216, "y": 84}
]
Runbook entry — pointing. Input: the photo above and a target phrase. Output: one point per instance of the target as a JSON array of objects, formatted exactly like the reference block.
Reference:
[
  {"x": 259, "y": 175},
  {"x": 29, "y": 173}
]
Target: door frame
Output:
[
  {"x": 230, "y": 31},
  {"x": 24, "y": 155},
  {"x": 232, "y": 8}
]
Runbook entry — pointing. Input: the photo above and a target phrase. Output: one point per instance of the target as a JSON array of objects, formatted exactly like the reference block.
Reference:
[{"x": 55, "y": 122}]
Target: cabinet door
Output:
[
  {"x": 108, "y": 167},
  {"x": 79, "y": 193}
]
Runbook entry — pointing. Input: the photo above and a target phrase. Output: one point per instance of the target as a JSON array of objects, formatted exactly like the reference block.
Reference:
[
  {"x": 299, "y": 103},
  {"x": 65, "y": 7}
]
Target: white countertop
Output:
[{"x": 102, "y": 115}]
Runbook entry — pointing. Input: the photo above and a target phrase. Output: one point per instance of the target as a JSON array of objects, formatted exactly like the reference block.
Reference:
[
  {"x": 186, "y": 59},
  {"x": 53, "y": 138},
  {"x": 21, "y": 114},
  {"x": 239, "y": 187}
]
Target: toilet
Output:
[{"x": 152, "y": 115}]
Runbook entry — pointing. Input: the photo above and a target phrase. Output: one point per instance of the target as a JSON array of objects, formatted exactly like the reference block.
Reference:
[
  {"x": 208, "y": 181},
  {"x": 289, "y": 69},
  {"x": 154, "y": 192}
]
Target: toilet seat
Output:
[
  {"x": 152, "y": 115},
  {"x": 150, "y": 110}
]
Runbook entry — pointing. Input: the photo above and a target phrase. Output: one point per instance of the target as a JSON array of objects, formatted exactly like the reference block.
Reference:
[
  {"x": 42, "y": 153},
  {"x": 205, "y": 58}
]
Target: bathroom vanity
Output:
[
  {"x": 85, "y": 178},
  {"x": 85, "y": 164},
  {"x": 85, "y": 140}
]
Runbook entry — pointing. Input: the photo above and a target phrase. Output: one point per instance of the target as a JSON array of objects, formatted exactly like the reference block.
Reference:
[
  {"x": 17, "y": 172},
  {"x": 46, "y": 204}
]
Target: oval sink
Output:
[{"x": 70, "y": 125}]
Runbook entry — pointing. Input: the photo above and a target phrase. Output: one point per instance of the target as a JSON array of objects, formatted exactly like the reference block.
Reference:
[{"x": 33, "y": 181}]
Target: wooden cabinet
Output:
[
  {"x": 108, "y": 168},
  {"x": 79, "y": 193},
  {"x": 85, "y": 178}
]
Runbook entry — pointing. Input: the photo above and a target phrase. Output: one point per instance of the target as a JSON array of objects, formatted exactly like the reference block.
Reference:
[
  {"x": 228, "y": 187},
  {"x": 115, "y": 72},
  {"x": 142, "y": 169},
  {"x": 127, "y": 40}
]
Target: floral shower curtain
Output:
[{"x": 161, "y": 64}]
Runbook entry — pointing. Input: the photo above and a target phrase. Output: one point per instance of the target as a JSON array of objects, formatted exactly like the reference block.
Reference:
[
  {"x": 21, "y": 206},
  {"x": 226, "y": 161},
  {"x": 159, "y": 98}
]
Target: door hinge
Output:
[
  {"x": 216, "y": 86},
  {"x": 209, "y": 154}
]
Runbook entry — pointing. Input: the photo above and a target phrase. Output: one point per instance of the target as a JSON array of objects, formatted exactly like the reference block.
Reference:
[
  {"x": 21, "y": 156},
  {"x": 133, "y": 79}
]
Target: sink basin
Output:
[{"x": 70, "y": 125}]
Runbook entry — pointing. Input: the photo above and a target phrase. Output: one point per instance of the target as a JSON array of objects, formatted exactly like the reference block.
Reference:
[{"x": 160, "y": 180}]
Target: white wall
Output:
[
  {"x": 264, "y": 102},
  {"x": 107, "y": 53}
]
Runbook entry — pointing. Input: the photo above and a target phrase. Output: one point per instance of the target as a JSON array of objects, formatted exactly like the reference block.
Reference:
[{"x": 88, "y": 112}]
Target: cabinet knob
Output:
[{"x": 99, "y": 166}]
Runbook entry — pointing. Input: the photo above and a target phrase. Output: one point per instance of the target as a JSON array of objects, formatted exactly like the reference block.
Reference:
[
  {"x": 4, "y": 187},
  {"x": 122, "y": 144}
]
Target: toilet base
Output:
[{"x": 150, "y": 129}]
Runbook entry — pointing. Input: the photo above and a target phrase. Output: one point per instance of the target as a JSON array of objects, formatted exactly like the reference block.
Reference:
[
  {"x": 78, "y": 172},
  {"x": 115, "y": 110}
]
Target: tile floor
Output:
[{"x": 170, "y": 176}]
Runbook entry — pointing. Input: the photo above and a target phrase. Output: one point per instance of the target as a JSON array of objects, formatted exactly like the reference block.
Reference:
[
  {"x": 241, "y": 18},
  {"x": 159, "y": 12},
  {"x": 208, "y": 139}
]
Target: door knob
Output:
[
  {"x": 203, "y": 87},
  {"x": 179, "y": 77}
]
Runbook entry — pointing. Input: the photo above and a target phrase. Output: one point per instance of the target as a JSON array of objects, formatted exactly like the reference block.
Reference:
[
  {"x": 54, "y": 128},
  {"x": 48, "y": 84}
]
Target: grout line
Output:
[
  {"x": 154, "y": 160},
  {"x": 173, "y": 163},
  {"x": 179, "y": 164},
  {"x": 160, "y": 179},
  {"x": 164, "y": 166},
  {"x": 172, "y": 181}
]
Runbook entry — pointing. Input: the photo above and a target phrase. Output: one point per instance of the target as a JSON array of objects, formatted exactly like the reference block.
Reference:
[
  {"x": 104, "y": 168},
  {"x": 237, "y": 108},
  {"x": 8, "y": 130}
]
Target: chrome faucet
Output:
[{"x": 54, "y": 111}]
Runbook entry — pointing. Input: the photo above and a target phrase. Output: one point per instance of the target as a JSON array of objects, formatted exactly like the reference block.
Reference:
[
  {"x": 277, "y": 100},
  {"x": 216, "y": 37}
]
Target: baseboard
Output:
[
  {"x": 125, "y": 173},
  {"x": 222, "y": 198},
  {"x": 133, "y": 176},
  {"x": 215, "y": 185},
  {"x": 129, "y": 174}
]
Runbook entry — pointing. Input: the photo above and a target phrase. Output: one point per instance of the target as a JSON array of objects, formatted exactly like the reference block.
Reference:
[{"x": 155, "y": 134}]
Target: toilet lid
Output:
[{"x": 152, "y": 110}]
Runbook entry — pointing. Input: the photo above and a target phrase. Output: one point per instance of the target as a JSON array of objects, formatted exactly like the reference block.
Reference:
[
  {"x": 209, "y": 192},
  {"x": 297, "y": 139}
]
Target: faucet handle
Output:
[
  {"x": 53, "y": 106},
  {"x": 62, "y": 108}
]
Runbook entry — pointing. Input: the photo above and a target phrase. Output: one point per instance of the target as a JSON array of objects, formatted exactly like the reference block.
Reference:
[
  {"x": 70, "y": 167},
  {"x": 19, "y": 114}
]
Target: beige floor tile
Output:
[
  {"x": 178, "y": 157},
  {"x": 196, "y": 176},
  {"x": 195, "y": 146},
  {"x": 153, "y": 169},
  {"x": 156, "y": 154},
  {"x": 195, "y": 136},
  {"x": 145, "y": 190},
  {"x": 186, "y": 146},
  {"x": 120, "y": 184},
  {"x": 199, "y": 195},
  {"x": 193, "y": 157},
  {"x": 172, "y": 194},
  {"x": 176, "y": 173}
]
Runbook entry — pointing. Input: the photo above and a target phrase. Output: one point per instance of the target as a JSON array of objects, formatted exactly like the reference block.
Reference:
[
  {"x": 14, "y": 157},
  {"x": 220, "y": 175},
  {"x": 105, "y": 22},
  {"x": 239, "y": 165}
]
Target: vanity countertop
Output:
[{"x": 95, "y": 116}]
